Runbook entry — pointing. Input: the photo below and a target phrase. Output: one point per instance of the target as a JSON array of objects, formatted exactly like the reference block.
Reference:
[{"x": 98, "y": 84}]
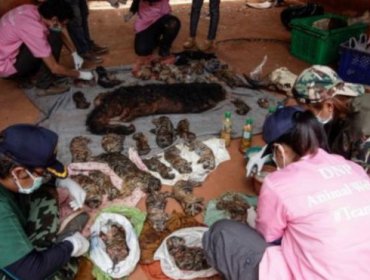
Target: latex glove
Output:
[
  {"x": 78, "y": 60},
  {"x": 128, "y": 16},
  {"x": 80, "y": 244},
  {"x": 256, "y": 162},
  {"x": 251, "y": 217},
  {"x": 75, "y": 190},
  {"x": 86, "y": 75}
]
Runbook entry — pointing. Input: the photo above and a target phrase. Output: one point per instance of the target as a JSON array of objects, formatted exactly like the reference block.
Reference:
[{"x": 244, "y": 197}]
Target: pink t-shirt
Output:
[
  {"x": 320, "y": 207},
  {"x": 150, "y": 13},
  {"x": 21, "y": 25}
]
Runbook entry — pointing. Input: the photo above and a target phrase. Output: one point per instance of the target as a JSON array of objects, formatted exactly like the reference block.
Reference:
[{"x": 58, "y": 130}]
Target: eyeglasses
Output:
[
  {"x": 30, "y": 173},
  {"x": 40, "y": 173}
]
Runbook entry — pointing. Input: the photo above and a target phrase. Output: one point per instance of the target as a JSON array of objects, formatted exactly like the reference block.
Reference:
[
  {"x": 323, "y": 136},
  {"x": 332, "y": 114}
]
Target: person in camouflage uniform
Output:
[
  {"x": 31, "y": 243},
  {"x": 341, "y": 107},
  {"x": 43, "y": 225}
]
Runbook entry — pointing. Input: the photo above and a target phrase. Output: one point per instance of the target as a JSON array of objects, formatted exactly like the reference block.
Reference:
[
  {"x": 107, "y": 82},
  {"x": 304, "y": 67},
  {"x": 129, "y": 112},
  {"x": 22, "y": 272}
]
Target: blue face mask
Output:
[{"x": 37, "y": 182}]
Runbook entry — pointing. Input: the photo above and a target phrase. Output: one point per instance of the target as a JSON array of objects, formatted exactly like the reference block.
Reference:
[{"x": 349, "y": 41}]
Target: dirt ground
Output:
[{"x": 238, "y": 43}]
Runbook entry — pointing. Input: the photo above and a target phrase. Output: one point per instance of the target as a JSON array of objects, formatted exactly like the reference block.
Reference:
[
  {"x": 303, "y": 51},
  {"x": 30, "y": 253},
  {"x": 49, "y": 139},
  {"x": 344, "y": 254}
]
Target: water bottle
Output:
[{"x": 226, "y": 129}]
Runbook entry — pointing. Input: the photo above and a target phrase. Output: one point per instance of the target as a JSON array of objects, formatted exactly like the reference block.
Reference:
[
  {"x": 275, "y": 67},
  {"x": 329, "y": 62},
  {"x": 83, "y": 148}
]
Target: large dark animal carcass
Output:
[{"x": 127, "y": 103}]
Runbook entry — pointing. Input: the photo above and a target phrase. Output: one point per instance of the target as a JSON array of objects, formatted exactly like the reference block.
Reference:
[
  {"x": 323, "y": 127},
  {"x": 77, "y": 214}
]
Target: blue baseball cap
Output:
[
  {"x": 277, "y": 124},
  {"x": 32, "y": 147}
]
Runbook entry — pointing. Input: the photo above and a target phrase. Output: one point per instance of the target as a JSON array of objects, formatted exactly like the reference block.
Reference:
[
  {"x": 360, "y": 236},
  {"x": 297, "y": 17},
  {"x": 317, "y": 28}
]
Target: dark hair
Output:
[
  {"x": 56, "y": 8},
  {"x": 6, "y": 165},
  {"x": 307, "y": 136}
]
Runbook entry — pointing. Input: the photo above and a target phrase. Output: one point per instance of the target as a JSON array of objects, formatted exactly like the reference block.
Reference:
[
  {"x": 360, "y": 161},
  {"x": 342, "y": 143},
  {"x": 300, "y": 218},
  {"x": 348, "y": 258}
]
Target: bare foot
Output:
[
  {"x": 171, "y": 59},
  {"x": 140, "y": 62}
]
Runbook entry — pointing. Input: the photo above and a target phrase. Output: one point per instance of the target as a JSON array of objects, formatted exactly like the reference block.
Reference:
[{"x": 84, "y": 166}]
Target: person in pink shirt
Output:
[
  {"x": 31, "y": 41},
  {"x": 154, "y": 27},
  {"x": 313, "y": 213}
]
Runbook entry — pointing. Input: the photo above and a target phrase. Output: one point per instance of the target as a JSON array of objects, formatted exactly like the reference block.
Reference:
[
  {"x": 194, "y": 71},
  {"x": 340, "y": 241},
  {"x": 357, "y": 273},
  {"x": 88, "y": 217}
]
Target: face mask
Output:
[
  {"x": 278, "y": 146},
  {"x": 56, "y": 29},
  {"x": 37, "y": 182},
  {"x": 322, "y": 120}
]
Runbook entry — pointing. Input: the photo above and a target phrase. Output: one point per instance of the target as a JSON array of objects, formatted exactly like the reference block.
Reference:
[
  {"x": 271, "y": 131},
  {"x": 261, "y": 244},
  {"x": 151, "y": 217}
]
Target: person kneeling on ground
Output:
[
  {"x": 31, "y": 41},
  {"x": 342, "y": 108},
  {"x": 312, "y": 214},
  {"x": 31, "y": 246},
  {"x": 154, "y": 27}
]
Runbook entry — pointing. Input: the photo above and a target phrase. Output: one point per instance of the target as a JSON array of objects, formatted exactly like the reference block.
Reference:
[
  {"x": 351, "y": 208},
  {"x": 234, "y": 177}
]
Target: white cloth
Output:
[{"x": 199, "y": 173}]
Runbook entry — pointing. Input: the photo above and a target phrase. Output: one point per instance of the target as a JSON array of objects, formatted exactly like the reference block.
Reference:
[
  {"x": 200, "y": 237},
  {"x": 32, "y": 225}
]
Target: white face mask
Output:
[
  {"x": 322, "y": 120},
  {"x": 56, "y": 28},
  {"x": 37, "y": 182},
  {"x": 279, "y": 147}
]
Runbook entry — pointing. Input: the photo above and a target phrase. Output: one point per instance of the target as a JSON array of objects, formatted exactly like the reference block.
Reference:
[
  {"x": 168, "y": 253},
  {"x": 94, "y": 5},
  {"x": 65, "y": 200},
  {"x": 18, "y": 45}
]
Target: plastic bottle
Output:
[
  {"x": 226, "y": 129},
  {"x": 246, "y": 140}
]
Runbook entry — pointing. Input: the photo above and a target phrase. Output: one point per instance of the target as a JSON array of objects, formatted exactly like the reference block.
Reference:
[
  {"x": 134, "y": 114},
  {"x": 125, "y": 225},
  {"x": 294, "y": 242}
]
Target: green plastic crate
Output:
[{"x": 318, "y": 46}]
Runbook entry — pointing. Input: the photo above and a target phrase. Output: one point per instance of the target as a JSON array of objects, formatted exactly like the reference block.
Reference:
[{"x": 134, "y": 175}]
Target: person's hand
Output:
[
  {"x": 128, "y": 16},
  {"x": 75, "y": 190},
  {"x": 77, "y": 60},
  {"x": 80, "y": 244},
  {"x": 86, "y": 75}
]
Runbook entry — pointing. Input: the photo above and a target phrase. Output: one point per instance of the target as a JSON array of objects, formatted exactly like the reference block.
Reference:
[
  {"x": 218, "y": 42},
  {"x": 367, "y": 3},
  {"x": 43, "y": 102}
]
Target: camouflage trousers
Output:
[{"x": 42, "y": 227}]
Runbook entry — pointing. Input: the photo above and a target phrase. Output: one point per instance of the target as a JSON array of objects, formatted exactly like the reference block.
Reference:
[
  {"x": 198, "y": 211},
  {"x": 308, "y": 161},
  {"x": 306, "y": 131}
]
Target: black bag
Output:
[{"x": 300, "y": 11}]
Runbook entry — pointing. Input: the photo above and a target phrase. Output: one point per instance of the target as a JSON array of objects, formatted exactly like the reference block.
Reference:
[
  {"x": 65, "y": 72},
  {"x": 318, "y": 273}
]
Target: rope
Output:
[{"x": 254, "y": 40}]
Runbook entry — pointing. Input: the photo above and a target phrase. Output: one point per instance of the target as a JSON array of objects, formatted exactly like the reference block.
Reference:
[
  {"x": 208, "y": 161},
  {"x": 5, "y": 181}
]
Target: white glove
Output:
[
  {"x": 128, "y": 16},
  {"x": 256, "y": 162},
  {"x": 80, "y": 244},
  {"x": 251, "y": 217},
  {"x": 78, "y": 60},
  {"x": 75, "y": 190},
  {"x": 86, "y": 75}
]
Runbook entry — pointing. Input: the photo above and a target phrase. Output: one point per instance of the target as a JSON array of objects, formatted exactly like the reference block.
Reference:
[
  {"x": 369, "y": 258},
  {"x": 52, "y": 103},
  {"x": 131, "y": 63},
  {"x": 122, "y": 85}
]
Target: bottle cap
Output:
[
  {"x": 228, "y": 114},
  {"x": 272, "y": 109},
  {"x": 249, "y": 121}
]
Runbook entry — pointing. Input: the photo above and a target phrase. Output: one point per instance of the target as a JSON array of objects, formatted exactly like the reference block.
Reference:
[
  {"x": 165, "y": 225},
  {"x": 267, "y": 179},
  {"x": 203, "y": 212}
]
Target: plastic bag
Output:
[
  {"x": 97, "y": 248},
  {"x": 193, "y": 238}
]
